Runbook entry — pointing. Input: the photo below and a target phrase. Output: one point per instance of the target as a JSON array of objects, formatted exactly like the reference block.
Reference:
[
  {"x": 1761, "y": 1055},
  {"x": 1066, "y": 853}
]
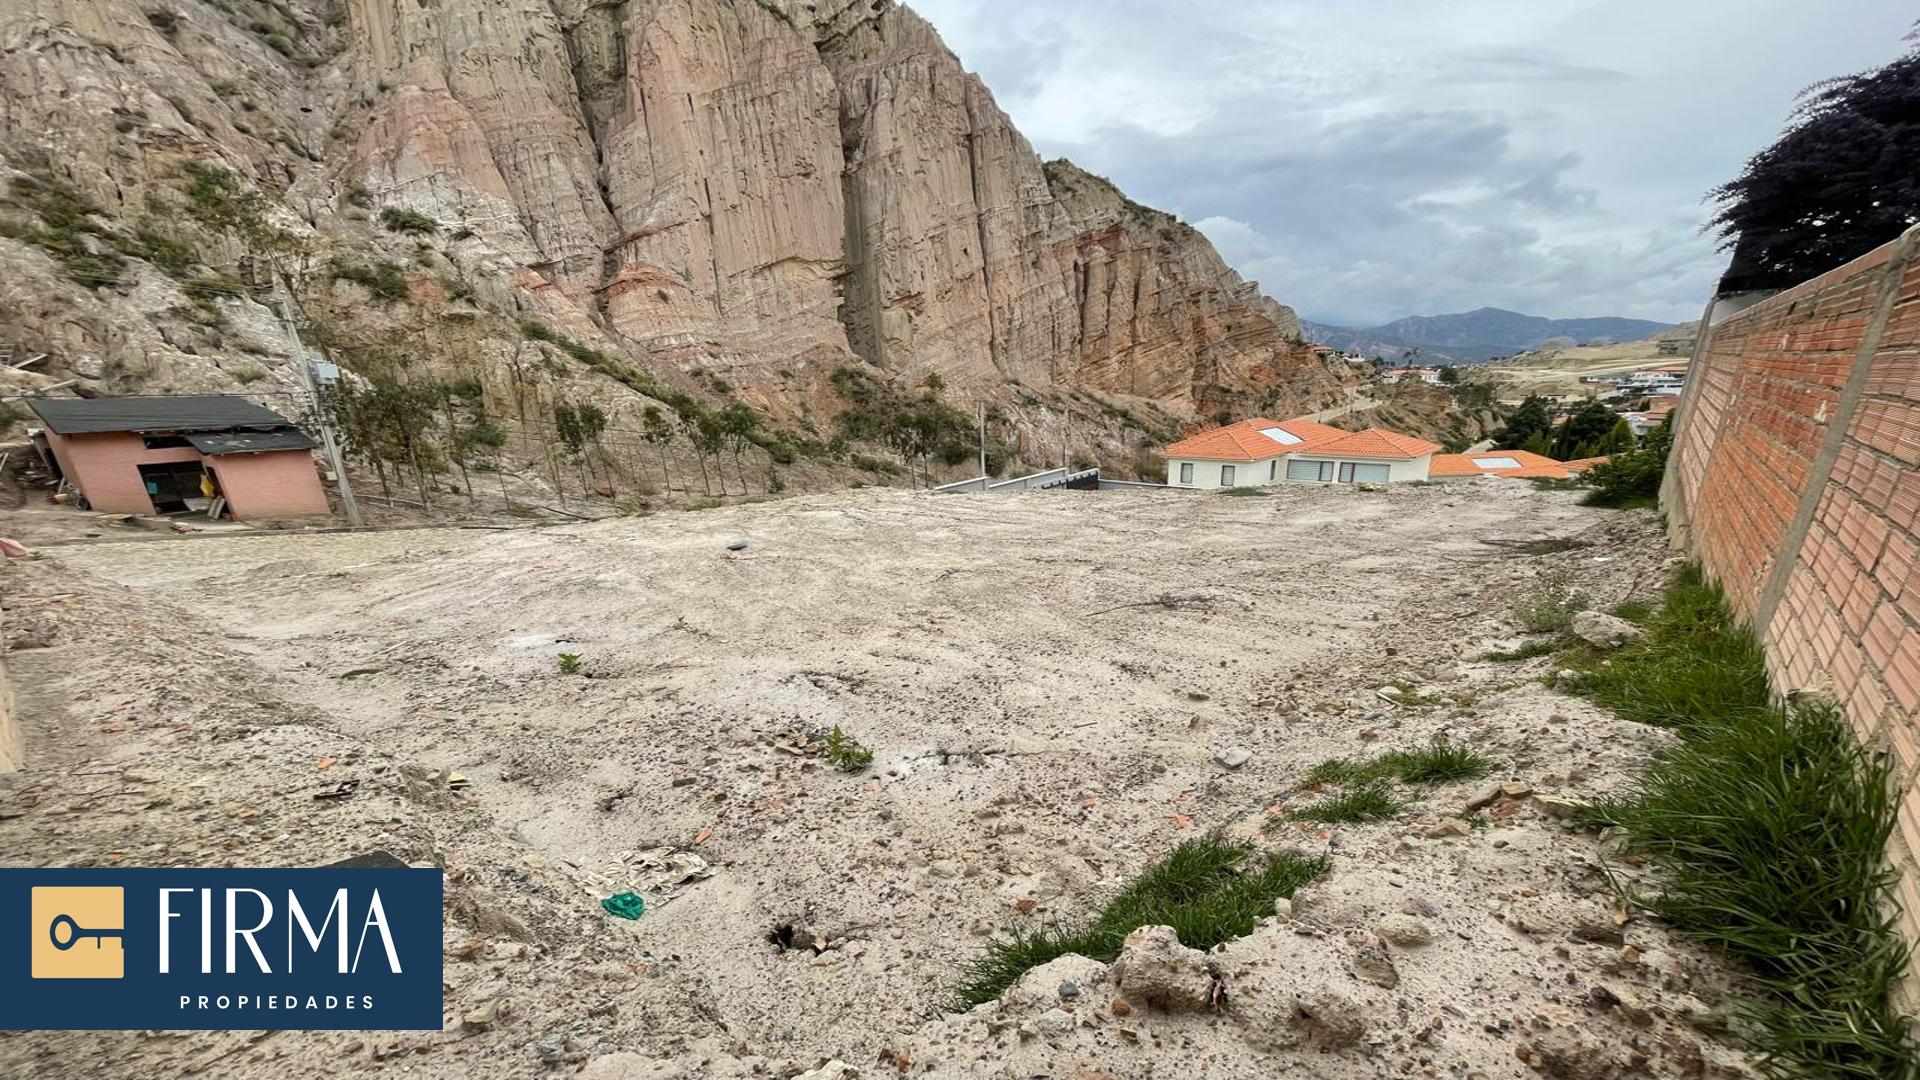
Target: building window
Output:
[
  {"x": 1186, "y": 472},
  {"x": 1226, "y": 476},
  {"x": 1372, "y": 474},
  {"x": 1273, "y": 470},
  {"x": 1346, "y": 472},
  {"x": 1318, "y": 472}
]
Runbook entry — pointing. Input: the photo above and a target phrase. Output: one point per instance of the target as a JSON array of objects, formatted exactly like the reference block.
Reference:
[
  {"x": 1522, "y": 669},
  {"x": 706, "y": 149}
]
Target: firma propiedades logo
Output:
[{"x": 330, "y": 948}]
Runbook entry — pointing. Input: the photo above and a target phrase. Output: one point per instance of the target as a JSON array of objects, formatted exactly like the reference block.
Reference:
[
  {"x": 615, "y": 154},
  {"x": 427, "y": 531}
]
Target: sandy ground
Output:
[{"x": 1046, "y": 680}]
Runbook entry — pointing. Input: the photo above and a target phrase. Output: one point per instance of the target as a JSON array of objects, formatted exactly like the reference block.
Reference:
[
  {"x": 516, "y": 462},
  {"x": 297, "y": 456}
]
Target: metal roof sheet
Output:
[
  {"x": 250, "y": 442},
  {"x": 206, "y": 412}
]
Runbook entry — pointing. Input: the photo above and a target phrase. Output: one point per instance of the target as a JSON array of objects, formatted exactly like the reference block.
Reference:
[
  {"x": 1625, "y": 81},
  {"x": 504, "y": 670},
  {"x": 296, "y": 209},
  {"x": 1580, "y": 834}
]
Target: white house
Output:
[
  {"x": 1428, "y": 375},
  {"x": 1260, "y": 452}
]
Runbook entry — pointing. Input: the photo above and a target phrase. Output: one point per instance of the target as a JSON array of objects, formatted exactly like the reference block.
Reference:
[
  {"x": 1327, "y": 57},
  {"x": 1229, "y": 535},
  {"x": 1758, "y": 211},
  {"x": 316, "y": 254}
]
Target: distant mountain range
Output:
[{"x": 1475, "y": 336}]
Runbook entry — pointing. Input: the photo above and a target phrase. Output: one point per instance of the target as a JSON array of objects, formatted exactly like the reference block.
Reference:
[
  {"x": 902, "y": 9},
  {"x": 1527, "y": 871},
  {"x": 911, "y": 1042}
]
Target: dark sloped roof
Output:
[
  {"x": 207, "y": 412},
  {"x": 250, "y": 442}
]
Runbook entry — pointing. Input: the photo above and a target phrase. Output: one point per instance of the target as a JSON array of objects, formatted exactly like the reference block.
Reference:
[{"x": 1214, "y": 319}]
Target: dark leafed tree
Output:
[
  {"x": 1584, "y": 433},
  {"x": 1534, "y": 418},
  {"x": 1842, "y": 180}
]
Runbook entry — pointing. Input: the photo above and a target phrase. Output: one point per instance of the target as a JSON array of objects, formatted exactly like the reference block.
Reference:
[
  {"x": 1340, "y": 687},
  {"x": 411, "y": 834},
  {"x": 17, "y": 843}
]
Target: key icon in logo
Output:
[
  {"x": 66, "y": 933},
  {"x": 66, "y": 916}
]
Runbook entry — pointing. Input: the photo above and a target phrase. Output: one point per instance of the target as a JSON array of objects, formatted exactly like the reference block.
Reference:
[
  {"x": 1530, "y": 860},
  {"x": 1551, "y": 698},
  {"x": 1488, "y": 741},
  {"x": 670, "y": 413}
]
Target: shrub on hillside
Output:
[{"x": 1633, "y": 478}]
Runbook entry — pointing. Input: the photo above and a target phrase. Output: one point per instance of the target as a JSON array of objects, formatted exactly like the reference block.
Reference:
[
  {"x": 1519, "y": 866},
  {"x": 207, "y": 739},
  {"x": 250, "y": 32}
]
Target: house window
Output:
[
  {"x": 1372, "y": 474},
  {"x": 1346, "y": 472},
  {"x": 1226, "y": 476},
  {"x": 1186, "y": 472},
  {"x": 1316, "y": 471},
  {"x": 1273, "y": 470}
]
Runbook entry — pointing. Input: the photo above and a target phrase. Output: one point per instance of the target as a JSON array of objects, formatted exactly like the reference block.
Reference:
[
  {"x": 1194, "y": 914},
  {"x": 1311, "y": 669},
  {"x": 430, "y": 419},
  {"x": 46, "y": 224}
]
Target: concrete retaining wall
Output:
[{"x": 1795, "y": 480}]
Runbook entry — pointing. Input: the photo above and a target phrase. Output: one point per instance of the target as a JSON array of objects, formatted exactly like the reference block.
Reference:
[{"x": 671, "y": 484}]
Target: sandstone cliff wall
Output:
[{"x": 760, "y": 190}]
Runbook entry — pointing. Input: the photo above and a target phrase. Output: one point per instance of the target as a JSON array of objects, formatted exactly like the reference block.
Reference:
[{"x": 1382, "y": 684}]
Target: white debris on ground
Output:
[{"x": 1058, "y": 688}]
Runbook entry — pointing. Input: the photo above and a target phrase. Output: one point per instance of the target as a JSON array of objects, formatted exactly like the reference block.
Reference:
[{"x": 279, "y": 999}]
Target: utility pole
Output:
[
  {"x": 320, "y": 418},
  {"x": 983, "y": 438}
]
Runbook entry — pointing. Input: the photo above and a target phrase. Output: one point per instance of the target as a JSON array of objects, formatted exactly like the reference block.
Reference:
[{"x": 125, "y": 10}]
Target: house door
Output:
[{"x": 171, "y": 484}]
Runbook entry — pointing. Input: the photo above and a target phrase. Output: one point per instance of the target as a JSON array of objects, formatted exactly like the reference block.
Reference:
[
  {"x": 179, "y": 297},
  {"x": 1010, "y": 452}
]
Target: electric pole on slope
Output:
[
  {"x": 321, "y": 418},
  {"x": 983, "y": 438}
]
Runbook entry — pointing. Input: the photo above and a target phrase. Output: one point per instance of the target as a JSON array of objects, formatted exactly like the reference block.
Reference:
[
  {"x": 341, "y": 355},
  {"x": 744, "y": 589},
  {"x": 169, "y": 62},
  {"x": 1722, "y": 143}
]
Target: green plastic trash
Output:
[{"x": 626, "y": 905}]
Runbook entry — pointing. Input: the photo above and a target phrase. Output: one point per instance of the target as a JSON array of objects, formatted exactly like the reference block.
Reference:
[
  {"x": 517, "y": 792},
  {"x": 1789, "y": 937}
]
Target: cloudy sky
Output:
[{"x": 1370, "y": 159}]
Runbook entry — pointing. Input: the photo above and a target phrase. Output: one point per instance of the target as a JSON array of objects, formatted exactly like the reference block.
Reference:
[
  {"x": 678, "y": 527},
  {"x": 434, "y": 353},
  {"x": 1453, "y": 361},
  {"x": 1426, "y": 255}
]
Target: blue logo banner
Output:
[{"x": 327, "y": 948}]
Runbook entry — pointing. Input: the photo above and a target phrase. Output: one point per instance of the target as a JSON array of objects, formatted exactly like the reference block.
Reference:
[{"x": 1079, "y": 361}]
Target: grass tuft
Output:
[
  {"x": 1636, "y": 612},
  {"x": 1441, "y": 761},
  {"x": 1694, "y": 663},
  {"x": 1766, "y": 832},
  {"x": 1528, "y": 651},
  {"x": 1371, "y": 800},
  {"x": 1551, "y": 606},
  {"x": 1210, "y": 890}
]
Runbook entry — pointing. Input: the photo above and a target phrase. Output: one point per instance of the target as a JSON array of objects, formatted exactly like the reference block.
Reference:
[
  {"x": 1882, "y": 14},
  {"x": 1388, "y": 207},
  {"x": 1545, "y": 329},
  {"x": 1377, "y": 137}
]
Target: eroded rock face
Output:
[{"x": 764, "y": 188}]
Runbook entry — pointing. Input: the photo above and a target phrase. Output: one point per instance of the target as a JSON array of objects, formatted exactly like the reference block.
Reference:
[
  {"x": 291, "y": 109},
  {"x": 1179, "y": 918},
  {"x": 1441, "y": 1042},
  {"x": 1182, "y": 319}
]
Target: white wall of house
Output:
[{"x": 1207, "y": 474}]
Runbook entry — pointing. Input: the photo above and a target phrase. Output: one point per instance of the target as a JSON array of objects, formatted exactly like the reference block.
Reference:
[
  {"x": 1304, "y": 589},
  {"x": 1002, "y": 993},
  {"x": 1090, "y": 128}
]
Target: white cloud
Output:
[{"x": 1379, "y": 158}]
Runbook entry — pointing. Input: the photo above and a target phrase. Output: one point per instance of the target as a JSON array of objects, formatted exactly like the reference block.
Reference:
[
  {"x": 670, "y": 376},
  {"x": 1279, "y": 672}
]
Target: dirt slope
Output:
[{"x": 1037, "y": 741}]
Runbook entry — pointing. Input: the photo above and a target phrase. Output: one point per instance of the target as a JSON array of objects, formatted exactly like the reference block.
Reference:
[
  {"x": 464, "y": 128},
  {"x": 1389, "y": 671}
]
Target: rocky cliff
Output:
[{"x": 737, "y": 197}]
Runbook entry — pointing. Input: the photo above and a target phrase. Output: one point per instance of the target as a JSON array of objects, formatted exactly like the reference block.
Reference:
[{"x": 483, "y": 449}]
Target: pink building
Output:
[{"x": 144, "y": 455}]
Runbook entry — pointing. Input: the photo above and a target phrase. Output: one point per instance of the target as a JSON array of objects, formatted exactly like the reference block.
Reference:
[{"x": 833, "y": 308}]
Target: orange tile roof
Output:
[
  {"x": 1532, "y": 466},
  {"x": 1583, "y": 464},
  {"x": 1244, "y": 442},
  {"x": 1374, "y": 443}
]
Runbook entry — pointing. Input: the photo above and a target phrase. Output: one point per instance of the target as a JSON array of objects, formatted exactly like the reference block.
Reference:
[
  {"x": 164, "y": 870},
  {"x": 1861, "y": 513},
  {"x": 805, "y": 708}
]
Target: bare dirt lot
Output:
[{"x": 1047, "y": 681}]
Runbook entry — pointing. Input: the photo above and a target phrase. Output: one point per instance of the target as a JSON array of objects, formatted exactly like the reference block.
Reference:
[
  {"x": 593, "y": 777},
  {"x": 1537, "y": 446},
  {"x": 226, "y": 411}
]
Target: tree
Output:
[
  {"x": 1582, "y": 434},
  {"x": 658, "y": 430},
  {"x": 738, "y": 425},
  {"x": 1839, "y": 182},
  {"x": 690, "y": 416},
  {"x": 1632, "y": 478},
  {"x": 1533, "y": 417},
  {"x": 385, "y": 421},
  {"x": 710, "y": 438},
  {"x": 464, "y": 402},
  {"x": 579, "y": 427},
  {"x": 1618, "y": 441},
  {"x": 1450, "y": 375}
]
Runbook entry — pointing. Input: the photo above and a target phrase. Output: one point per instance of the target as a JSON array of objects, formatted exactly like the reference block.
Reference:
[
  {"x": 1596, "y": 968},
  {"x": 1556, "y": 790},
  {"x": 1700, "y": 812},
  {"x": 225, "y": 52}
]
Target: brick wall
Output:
[{"x": 1795, "y": 480}]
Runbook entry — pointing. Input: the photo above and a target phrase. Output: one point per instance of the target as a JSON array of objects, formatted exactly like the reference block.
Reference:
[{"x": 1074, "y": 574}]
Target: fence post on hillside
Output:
[{"x": 1834, "y": 438}]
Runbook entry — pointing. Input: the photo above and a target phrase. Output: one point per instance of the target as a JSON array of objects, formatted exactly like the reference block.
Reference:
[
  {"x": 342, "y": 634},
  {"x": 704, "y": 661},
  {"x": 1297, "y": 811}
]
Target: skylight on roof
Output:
[
  {"x": 1282, "y": 436},
  {"x": 1496, "y": 463}
]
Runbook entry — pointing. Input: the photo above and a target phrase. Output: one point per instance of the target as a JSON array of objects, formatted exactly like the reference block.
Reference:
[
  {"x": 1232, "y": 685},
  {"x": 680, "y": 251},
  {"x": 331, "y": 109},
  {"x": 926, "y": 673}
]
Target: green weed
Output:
[{"x": 846, "y": 752}]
